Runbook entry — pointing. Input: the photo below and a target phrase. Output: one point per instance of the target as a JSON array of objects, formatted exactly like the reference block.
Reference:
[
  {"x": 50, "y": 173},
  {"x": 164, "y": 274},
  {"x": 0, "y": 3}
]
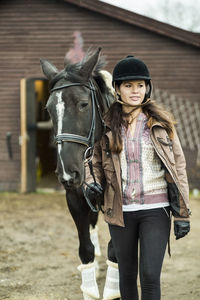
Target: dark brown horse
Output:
[{"x": 79, "y": 97}]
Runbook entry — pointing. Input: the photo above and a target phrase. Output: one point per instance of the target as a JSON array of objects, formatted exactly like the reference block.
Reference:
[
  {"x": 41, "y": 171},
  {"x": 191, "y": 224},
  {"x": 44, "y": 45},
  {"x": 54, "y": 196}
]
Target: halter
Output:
[{"x": 74, "y": 138}]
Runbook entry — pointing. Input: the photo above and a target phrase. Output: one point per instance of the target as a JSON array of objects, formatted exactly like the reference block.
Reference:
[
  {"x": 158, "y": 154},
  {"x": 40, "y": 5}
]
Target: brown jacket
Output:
[{"x": 107, "y": 169}]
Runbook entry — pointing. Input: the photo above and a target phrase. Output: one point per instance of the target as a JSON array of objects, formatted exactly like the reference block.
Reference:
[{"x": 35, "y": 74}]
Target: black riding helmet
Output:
[{"x": 131, "y": 68}]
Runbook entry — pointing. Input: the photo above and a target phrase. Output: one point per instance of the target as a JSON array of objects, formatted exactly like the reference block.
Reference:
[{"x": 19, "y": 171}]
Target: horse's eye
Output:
[{"x": 83, "y": 105}]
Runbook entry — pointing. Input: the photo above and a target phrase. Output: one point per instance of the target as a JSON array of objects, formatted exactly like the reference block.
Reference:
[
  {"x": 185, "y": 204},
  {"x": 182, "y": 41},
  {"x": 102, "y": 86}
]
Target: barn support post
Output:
[
  {"x": 28, "y": 135},
  {"x": 23, "y": 136}
]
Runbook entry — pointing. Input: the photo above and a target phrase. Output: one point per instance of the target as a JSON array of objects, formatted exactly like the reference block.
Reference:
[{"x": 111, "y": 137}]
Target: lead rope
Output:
[
  {"x": 168, "y": 244},
  {"x": 94, "y": 209},
  {"x": 94, "y": 101},
  {"x": 98, "y": 200}
]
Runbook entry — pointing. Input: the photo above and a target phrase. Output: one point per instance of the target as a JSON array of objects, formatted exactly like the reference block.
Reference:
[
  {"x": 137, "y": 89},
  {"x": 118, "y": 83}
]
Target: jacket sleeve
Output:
[
  {"x": 97, "y": 166},
  {"x": 181, "y": 168}
]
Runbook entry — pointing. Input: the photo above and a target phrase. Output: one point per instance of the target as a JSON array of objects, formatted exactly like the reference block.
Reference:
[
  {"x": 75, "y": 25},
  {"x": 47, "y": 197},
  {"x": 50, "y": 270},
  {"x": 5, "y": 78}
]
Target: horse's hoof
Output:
[{"x": 87, "y": 297}]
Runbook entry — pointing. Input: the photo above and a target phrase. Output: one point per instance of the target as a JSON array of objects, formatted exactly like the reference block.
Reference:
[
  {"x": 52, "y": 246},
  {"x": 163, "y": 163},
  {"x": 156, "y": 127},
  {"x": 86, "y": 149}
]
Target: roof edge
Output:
[{"x": 133, "y": 18}]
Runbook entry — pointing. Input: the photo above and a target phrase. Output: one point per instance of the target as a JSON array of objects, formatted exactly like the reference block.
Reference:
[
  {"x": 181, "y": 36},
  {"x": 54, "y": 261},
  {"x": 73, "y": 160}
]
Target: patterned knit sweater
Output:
[{"x": 143, "y": 178}]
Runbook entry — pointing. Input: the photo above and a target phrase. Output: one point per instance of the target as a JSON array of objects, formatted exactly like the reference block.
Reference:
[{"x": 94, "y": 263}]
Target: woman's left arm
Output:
[
  {"x": 181, "y": 225},
  {"x": 180, "y": 165}
]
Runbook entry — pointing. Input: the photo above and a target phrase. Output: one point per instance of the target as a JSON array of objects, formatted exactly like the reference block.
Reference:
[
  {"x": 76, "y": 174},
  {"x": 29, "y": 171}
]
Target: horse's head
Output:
[{"x": 76, "y": 104}]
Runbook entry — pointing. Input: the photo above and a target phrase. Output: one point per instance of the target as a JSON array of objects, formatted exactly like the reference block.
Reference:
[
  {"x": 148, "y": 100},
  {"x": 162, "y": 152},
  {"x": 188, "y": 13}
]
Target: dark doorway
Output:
[
  {"x": 45, "y": 147},
  {"x": 38, "y": 151}
]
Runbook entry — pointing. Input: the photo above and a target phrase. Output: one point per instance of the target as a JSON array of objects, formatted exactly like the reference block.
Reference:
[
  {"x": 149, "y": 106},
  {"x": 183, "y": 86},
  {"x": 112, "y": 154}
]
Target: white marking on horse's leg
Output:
[
  {"x": 95, "y": 240},
  {"x": 89, "y": 285},
  {"x": 60, "y": 109},
  {"x": 111, "y": 288}
]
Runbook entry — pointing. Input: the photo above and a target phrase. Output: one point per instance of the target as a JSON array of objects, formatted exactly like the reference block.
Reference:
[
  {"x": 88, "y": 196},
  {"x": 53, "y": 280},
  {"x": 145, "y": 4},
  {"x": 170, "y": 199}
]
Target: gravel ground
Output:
[{"x": 39, "y": 252}]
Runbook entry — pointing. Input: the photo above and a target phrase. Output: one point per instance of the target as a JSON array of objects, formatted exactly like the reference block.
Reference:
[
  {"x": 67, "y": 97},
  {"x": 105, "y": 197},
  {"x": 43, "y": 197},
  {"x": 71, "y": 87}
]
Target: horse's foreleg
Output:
[
  {"x": 93, "y": 218},
  {"x": 80, "y": 213},
  {"x": 111, "y": 288}
]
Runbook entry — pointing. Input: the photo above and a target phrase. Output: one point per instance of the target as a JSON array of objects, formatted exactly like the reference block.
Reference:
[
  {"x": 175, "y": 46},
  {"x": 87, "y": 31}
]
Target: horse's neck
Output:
[{"x": 107, "y": 101}]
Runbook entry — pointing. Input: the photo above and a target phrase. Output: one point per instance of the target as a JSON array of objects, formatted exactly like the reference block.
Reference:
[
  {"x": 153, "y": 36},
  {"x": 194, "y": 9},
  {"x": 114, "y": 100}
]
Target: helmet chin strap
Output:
[{"x": 134, "y": 108}]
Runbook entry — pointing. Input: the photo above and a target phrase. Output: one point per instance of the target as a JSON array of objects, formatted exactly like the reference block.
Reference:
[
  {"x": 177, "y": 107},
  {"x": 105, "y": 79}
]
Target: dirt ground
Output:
[{"x": 39, "y": 257}]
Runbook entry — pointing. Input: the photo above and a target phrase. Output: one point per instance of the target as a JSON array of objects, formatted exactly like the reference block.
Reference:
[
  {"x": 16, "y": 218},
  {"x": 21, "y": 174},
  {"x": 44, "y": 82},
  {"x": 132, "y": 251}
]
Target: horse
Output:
[{"x": 79, "y": 97}]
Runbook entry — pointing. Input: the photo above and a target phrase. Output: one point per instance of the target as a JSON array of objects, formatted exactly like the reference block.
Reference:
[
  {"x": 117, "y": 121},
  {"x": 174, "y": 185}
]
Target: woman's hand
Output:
[
  {"x": 181, "y": 228},
  {"x": 93, "y": 191}
]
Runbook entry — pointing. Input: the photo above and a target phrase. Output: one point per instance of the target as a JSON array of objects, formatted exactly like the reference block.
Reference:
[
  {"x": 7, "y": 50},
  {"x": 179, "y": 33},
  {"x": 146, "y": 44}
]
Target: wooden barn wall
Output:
[{"x": 30, "y": 29}]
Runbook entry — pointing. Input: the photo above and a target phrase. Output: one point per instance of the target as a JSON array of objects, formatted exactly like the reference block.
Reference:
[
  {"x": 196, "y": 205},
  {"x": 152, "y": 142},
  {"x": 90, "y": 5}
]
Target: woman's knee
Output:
[{"x": 150, "y": 278}]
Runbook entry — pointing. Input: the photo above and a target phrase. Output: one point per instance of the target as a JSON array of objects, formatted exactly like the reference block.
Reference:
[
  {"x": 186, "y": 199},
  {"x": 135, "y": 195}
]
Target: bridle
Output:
[
  {"x": 69, "y": 137},
  {"x": 74, "y": 138}
]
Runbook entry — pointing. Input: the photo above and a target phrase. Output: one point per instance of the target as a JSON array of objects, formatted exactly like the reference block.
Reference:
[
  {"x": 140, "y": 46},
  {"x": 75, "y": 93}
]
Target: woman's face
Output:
[{"x": 132, "y": 92}]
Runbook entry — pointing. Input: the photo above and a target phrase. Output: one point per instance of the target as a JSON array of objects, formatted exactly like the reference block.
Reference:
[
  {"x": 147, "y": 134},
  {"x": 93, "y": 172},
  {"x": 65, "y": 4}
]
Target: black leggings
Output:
[{"x": 151, "y": 227}]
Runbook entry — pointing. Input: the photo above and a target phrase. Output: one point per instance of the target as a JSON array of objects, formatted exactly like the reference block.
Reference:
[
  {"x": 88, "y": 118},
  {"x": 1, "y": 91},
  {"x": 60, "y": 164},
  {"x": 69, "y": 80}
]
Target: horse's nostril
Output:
[
  {"x": 75, "y": 175},
  {"x": 70, "y": 181}
]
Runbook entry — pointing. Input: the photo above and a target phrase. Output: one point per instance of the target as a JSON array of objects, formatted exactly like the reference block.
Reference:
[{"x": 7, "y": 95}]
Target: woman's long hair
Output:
[{"x": 154, "y": 113}]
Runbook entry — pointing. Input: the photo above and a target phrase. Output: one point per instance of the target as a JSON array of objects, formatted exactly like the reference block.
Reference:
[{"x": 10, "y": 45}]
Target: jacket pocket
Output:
[{"x": 166, "y": 146}]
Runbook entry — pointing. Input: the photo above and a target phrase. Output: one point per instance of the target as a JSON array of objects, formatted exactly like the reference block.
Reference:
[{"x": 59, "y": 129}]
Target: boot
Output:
[
  {"x": 111, "y": 288},
  {"x": 95, "y": 240},
  {"x": 89, "y": 285}
]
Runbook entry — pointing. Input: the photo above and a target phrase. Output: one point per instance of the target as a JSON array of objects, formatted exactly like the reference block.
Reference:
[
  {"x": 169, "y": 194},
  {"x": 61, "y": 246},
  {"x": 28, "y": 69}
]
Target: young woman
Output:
[{"x": 141, "y": 161}]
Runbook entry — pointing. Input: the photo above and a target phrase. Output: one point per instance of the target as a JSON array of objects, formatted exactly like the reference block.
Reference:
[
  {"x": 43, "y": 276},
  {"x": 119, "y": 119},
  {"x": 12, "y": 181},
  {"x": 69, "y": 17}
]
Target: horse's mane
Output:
[{"x": 102, "y": 78}]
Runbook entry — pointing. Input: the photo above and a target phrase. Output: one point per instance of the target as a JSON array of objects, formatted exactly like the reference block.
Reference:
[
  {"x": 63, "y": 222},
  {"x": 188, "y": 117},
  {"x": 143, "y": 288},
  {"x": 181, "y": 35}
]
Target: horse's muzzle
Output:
[{"x": 72, "y": 180}]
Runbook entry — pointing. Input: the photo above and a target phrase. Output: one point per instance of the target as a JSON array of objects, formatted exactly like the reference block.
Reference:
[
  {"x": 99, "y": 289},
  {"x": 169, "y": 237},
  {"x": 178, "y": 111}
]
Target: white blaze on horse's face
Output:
[{"x": 60, "y": 109}]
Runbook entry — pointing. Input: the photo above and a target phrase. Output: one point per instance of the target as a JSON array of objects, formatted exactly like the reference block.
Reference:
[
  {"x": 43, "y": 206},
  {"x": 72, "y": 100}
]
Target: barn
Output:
[{"x": 33, "y": 29}]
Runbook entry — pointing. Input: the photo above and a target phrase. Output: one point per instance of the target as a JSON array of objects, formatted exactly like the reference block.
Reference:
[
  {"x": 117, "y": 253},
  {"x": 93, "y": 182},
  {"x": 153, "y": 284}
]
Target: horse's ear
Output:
[
  {"x": 48, "y": 69},
  {"x": 88, "y": 66}
]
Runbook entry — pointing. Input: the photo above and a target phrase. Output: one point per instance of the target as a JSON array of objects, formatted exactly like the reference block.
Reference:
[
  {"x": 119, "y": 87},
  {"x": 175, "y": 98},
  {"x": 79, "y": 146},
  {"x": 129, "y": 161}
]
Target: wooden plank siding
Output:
[{"x": 30, "y": 29}]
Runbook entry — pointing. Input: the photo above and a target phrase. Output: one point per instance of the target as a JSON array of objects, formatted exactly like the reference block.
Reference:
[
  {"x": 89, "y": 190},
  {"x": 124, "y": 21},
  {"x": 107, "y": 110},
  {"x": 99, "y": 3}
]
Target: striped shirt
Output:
[{"x": 143, "y": 178}]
